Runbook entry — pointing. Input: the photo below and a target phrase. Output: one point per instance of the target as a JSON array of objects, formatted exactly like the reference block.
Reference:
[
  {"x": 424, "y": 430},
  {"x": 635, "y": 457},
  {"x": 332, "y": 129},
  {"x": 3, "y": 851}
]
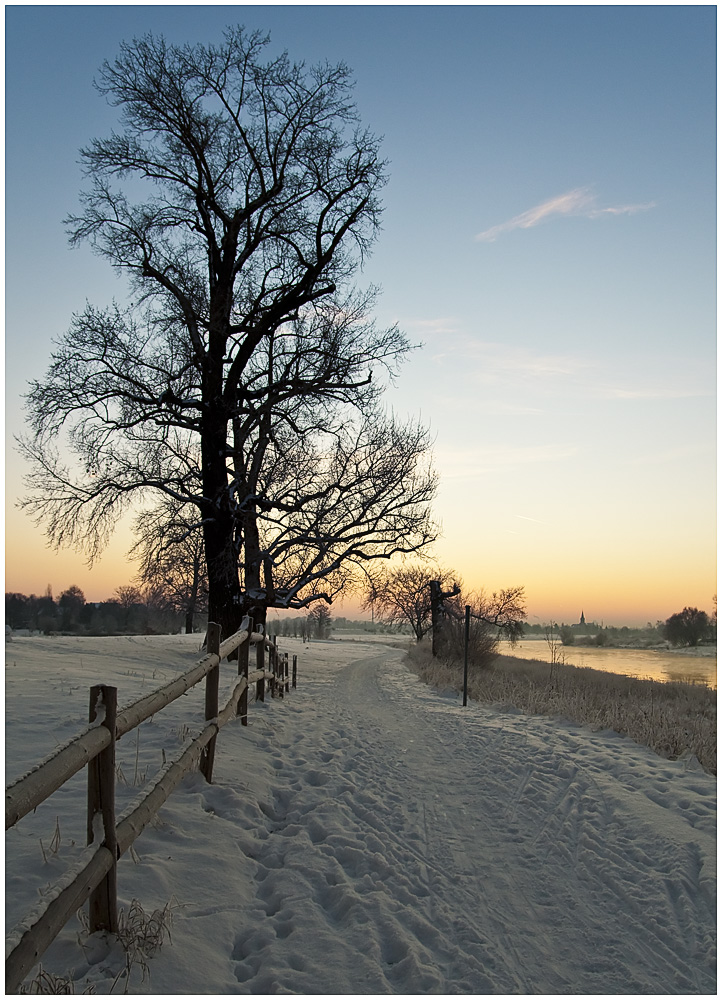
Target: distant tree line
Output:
[
  {"x": 130, "y": 611},
  {"x": 689, "y": 627}
]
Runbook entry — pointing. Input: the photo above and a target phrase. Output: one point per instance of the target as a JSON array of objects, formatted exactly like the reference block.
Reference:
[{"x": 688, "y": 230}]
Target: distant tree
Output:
[
  {"x": 71, "y": 604},
  {"x": 319, "y": 622},
  {"x": 132, "y": 610},
  {"x": 566, "y": 635},
  {"x": 492, "y": 617},
  {"x": 107, "y": 618},
  {"x": 688, "y": 627},
  {"x": 401, "y": 596},
  {"x": 162, "y": 617},
  {"x": 171, "y": 559},
  {"x": 46, "y": 611},
  {"x": 127, "y": 596},
  {"x": 17, "y": 610}
]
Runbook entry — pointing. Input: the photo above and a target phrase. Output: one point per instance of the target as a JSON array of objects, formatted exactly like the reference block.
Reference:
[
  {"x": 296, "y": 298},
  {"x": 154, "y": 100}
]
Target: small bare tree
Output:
[
  {"x": 493, "y": 617},
  {"x": 171, "y": 559},
  {"x": 319, "y": 620},
  {"x": 402, "y": 596}
]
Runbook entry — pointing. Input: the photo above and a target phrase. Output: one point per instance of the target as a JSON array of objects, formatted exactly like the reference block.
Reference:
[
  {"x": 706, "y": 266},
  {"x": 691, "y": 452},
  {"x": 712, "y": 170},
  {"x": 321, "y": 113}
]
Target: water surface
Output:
[{"x": 660, "y": 665}]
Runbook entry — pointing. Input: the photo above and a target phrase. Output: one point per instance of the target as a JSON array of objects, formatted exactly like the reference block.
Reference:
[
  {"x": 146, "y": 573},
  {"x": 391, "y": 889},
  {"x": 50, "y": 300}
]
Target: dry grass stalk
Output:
[
  {"x": 142, "y": 934},
  {"x": 54, "y": 845},
  {"x": 46, "y": 982}
]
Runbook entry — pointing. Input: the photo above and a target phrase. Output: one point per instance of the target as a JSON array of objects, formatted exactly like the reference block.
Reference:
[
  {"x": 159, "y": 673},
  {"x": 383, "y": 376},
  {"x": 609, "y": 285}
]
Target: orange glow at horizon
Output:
[{"x": 561, "y": 576}]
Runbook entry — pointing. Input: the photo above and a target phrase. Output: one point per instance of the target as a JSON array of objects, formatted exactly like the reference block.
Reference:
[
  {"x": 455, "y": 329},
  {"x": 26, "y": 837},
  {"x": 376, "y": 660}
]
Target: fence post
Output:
[
  {"x": 261, "y": 684},
  {"x": 293, "y": 679},
  {"x": 285, "y": 669},
  {"x": 212, "y": 679},
  {"x": 103, "y": 902},
  {"x": 279, "y": 666},
  {"x": 243, "y": 650}
]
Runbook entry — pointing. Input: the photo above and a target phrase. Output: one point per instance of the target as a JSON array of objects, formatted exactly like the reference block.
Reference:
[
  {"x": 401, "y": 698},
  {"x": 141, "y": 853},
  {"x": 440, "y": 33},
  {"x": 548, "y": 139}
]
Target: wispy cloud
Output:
[
  {"x": 578, "y": 202},
  {"x": 496, "y": 362},
  {"x": 436, "y": 325},
  {"x": 478, "y": 463},
  {"x": 652, "y": 392}
]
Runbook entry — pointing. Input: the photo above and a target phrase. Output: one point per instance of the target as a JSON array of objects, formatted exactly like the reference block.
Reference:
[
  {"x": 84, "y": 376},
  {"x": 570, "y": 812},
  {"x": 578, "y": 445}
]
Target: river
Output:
[{"x": 660, "y": 665}]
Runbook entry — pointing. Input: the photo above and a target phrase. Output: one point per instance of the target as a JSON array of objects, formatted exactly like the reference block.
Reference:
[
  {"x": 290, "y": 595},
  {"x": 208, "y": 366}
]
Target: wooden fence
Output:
[{"x": 95, "y": 875}]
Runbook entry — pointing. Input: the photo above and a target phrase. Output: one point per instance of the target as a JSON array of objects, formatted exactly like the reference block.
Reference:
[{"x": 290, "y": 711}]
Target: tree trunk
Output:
[
  {"x": 255, "y": 596},
  {"x": 189, "y": 622},
  {"x": 224, "y": 591}
]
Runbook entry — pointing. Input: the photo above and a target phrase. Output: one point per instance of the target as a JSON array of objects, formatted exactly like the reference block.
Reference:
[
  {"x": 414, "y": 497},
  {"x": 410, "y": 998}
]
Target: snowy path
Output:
[{"x": 380, "y": 839}]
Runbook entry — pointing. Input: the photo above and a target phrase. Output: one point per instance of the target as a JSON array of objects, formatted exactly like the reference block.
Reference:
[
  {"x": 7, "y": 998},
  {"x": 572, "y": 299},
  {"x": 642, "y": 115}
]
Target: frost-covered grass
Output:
[{"x": 672, "y": 719}]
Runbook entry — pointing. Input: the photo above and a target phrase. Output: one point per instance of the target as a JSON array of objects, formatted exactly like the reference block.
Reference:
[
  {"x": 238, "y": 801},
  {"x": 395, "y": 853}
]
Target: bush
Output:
[
  {"x": 483, "y": 642},
  {"x": 688, "y": 628},
  {"x": 566, "y": 634}
]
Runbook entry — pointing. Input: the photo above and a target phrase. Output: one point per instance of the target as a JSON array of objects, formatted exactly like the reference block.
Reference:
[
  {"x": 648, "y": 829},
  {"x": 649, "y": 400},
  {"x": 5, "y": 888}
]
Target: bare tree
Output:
[
  {"x": 319, "y": 621},
  {"x": 171, "y": 560},
  {"x": 407, "y": 594},
  {"x": 70, "y": 604},
  {"x": 242, "y": 381},
  {"x": 493, "y": 617},
  {"x": 688, "y": 627},
  {"x": 402, "y": 596}
]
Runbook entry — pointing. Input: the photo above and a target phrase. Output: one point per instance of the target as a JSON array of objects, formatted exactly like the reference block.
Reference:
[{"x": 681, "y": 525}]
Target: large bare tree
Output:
[{"x": 242, "y": 380}]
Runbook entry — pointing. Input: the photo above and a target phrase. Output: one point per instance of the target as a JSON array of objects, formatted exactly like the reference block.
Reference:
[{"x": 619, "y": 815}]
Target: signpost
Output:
[{"x": 466, "y": 649}]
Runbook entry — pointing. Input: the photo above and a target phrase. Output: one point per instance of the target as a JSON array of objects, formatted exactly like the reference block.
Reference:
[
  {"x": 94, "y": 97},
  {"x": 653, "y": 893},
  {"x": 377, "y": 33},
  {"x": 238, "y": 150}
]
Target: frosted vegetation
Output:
[{"x": 674, "y": 719}]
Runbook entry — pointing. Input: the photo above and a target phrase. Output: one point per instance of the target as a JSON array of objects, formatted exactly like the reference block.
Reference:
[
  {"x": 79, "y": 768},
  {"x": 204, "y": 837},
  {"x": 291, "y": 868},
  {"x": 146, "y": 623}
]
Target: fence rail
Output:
[{"x": 94, "y": 877}]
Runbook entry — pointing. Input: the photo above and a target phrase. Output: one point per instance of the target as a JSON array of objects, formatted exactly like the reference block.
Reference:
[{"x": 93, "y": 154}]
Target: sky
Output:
[{"x": 549, "y": 237}]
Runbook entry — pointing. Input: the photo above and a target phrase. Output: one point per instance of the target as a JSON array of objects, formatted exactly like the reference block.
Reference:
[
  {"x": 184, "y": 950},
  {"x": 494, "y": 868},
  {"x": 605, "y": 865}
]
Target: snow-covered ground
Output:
[{"x": 368, "y": 835}]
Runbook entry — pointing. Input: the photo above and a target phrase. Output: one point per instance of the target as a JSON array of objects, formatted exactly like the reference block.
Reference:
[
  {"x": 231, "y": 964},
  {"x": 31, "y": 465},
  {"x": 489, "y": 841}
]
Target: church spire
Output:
[{"x": 581, "y": 620}]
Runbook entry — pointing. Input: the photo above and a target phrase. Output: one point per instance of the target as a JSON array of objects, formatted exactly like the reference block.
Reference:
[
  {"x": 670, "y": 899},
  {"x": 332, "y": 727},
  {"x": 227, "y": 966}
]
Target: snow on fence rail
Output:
[{"x": 95, "y": 875}]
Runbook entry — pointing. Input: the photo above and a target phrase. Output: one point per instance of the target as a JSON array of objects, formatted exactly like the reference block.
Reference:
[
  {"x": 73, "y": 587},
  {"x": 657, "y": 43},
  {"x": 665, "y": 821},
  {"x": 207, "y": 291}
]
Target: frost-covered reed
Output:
[{"x": 673, "y": 719}]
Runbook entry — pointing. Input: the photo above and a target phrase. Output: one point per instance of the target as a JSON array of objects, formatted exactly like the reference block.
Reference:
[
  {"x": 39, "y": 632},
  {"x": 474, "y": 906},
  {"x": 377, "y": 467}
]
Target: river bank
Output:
[{"x": 678, "y": 721}]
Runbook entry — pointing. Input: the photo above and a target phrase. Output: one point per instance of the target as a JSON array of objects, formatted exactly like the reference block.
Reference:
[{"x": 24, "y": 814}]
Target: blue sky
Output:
[{"x": 549, "y": 235}]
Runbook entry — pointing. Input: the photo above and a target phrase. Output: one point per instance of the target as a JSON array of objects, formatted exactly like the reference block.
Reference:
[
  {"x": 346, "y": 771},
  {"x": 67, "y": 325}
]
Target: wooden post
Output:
[
  {"x": 285, "y": 669},
  {"x": 103, "y": 903},
  {"x": 279, "y": 666},
  {"x": 293, "y": 679},
  {"x": 437, "y": 616},
  {"x": 243, "y": 650},
  {"x": 212, "y": 680},
  {"x": 466, "y": 650},
  {"x": 261, "y": 684}
]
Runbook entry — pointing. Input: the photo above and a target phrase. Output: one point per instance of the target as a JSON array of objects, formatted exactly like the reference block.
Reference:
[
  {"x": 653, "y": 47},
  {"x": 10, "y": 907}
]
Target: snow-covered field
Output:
[{"x": 368, "y": 835}]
